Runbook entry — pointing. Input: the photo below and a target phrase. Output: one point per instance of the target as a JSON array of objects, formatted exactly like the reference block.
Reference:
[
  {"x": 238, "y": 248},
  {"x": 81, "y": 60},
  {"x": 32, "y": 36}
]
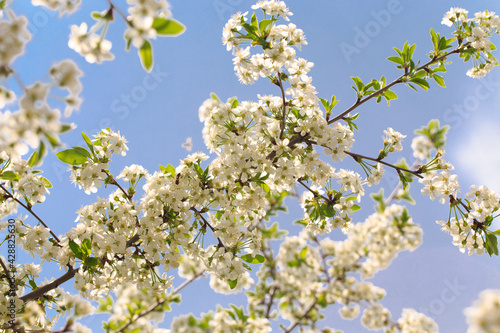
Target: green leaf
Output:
[
  {"x": 170, "y": 169},
  {"x": 33, "y": 284},
  {"x": 215, "y": 97},
  {"x": 435, "y": 39},
  {"x": 232, "y": 283},
  {"x": 128, "y": 42},
  {"x": 328, "y": 210},
  {"x": 91, "y": 262},
  {"x": 96, "y": 15},
  {"x": 42, "y": 151},
  {"x": 421, "y": 82},
  {"x": 146, "y": 55},
  {"x": 46, "y": 182},
  {"x": 326, "y": 105},
  {"x": 9, "y": 175},
  {"x": 86, "y": 247},
  {"x": 491, "y": 244},
  {"x": 264, "y": 24},
  {"x": 496, "y": 232},
  {"x": 303, "y": 253},
  {"x": 53, "y": 140},
  {"x": 71, "y": 156},
  {"x": 168, "y": 27},
  {"x": 75, "y": 248},
  {"x": 247, "y": 266},
  {"x": 234, "y": 103},
  {"x": 198, "y": 170},
  {"x": 88, "y": 142},
  {"x": 411, "y": 50},
  {"x": 65, "y": 128},
  {"x": 355, "y": 208},
  {"x": 33, "y": 159},
  {"x": 82, "y": 151},
  {"x": 439, "y": 80},
  {"x": 390, "y": 95},
  {"x": 258, "y": 259},
  {"x": 254, "y": 22}
]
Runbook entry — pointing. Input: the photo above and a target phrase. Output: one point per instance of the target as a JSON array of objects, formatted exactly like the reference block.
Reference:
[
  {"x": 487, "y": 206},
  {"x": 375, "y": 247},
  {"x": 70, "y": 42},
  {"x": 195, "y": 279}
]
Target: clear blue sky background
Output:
[{"x": 436, "y": 279}]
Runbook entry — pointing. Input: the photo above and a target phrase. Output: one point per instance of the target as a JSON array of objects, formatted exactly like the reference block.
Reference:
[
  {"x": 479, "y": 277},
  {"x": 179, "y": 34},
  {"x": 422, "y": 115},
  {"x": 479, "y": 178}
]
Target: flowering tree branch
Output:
[
  {"x": 30, "y": 210},
  {"x": 401, "y": 79},
  {"x": 357, "y": 157}
]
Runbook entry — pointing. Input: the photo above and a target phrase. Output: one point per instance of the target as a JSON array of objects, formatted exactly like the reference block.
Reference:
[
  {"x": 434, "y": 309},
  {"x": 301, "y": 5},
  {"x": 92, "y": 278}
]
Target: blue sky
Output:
[{"x": 161, "y": 111}]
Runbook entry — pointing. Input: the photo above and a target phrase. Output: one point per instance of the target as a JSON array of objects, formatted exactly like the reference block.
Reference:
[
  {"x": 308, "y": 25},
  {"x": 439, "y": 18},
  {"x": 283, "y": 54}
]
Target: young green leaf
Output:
[
  {"x": 232, "y": 283},
  {"x": 71, "y": 156},
  {"x": 75, "y": 249},
  {"x": 491, "y": 244},
  {"x": 146, "y": 55},
  {"x": 88, "y": 142},
  {"x": 46, "y": 182},
  {"x": 9, "y": 175},
  {"x": 170, "y": 169},
  {"x": 257, "y": 259},
  {"x": 82, "y": 151},
  {"x": 33, "y": 159},
  {"x": 168, "y": 27},
  {"x": 439, "y": 80}
]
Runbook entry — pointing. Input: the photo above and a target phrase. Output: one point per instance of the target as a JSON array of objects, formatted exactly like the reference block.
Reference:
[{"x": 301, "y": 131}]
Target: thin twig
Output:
[
  {"x": 118, "y": 10},
  {"x": 399, "y": 185},
  {"x": 31, "y": 211},
  {"x": 398, "y": 80},
  {"x": 354, "y": 155},
  {"x": 316, "y": 194}
]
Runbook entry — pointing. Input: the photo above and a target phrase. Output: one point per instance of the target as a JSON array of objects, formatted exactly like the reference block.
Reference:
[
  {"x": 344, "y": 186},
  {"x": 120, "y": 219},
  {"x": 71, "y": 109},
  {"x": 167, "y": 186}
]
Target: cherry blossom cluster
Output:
[
  {"x": 207, "y": 216},
  {"x": 92, "y": 173},
  {"x": 475, "y": 32},
  {"x": 35, "y": 121},
  {"x": 308, "y": 274},
  {"x": 483, "y": 315},
  {"x": 147, "y": 20},
  {"x": 468, "y": 221},
  {"x": 61, "y": 6},
  {"x": 34, "y": 316}
]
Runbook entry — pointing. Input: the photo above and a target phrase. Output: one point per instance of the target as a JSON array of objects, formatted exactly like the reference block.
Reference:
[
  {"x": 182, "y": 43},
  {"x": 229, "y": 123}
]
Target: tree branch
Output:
[
  {"x": 29, "y": 210},
  {"x": 396, "y": 81},
  {"x": 356, "y": 156}
]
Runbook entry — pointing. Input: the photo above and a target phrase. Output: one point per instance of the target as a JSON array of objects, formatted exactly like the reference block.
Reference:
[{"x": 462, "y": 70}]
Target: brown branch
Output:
[
  {"x": 316, "y": 194},
  {"x": 6, "y": 270},
  {"x": 356, "y": 156},
  {"x": 206, "y": 223},
  {"x": 52, "y": 285}
]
